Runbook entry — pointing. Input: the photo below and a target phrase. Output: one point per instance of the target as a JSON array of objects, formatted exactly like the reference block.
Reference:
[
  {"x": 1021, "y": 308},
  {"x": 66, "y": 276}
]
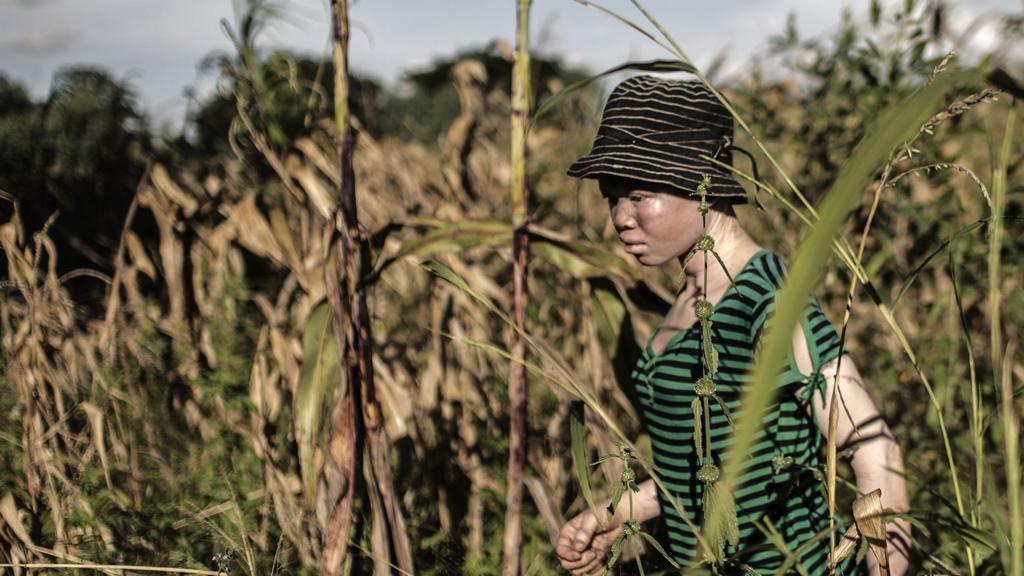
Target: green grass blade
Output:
[
  {"x": 450, "y": 276},
  {"x": 1000, "y": 363},
  {"x": 627, "y": 22},
  {"x": 657, "y": 546},
  {"x": 927, "y": 259},
  {"x": 577, "y": 434},
  {"x": 616, "y": 551},
  {"x": 456, "y": 236},
  {"x": 616, "y": 497}
]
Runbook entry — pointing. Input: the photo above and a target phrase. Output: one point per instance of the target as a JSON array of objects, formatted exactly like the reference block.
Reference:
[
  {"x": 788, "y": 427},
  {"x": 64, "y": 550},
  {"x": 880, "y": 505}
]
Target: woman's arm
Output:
[{"x": 878, "y": 460}]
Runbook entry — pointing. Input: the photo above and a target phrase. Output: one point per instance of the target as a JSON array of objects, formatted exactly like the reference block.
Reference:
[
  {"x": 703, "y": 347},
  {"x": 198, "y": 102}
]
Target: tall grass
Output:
[{"x": 203, "y": 363}]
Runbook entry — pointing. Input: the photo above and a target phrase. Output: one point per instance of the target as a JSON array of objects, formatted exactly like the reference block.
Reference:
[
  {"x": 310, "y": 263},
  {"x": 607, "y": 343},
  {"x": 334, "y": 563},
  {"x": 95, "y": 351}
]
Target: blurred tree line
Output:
[{"x": 77, "y": 156}]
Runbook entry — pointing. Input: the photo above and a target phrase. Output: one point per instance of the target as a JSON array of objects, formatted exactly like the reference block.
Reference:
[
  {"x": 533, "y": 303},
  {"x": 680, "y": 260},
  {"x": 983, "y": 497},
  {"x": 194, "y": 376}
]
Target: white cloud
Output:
[{"x": 43, "y": 42}]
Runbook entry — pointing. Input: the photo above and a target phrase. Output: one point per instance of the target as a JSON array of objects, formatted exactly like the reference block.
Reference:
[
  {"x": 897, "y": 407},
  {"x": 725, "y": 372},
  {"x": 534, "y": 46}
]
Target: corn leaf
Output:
[
  {"x": 320, "y": 372},
  {"x": 580, "y": 259},
  {"x": 609, "y": 314},
  {"x": 455, "y": 237}
]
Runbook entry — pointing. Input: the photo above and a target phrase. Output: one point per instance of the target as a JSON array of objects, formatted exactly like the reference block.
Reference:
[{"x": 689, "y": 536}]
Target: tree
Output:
[{"x": 79, "y": 154}]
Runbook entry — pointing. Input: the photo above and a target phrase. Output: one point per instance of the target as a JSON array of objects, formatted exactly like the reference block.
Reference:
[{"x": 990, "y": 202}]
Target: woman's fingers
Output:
[
  {"x": 585, "y": 533},
  {"x": 576, "y": 537},
  {"x": 566, "y": 536},
  {"x": 604, "y": 540},
  {"x": 593, "y": 565},
  {"x": 581, "y": 565},
  {"x": 582, "y": 547},
  {"x": 566, "y": 548}
]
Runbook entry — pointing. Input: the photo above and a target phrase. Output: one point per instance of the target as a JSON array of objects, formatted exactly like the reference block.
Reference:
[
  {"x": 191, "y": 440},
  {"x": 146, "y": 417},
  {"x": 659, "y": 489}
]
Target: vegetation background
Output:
[{"x": 163, "y": 318}]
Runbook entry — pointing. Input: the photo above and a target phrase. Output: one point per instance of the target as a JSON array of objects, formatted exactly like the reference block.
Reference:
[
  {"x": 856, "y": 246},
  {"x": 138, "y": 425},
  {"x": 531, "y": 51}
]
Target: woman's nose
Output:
[{"x": 623, "y": 215}]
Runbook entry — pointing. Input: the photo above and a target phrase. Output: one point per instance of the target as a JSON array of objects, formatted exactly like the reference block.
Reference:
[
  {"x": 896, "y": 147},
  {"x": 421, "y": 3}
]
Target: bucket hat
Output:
[{"x": 656, "y": 130}]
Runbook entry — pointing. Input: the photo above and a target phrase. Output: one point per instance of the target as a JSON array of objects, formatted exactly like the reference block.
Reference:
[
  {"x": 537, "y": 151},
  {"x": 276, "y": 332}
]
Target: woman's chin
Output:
[
  {"x": 646, "y": 259},
  {"x": 642, "y": 253}
]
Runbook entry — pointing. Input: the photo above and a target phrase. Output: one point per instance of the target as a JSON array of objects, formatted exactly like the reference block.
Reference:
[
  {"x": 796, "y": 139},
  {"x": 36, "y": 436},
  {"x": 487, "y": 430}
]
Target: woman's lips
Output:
[{"x": 635, "y": 247}]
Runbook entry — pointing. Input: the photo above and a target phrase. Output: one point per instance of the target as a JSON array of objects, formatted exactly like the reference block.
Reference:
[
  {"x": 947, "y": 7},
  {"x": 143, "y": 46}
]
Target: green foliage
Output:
[
  {"x": 428, "y": 103},
  {"x": 284, "y": 94},
  {"x": 80, "y": 153},
  {"x": 10, "y": 450}
]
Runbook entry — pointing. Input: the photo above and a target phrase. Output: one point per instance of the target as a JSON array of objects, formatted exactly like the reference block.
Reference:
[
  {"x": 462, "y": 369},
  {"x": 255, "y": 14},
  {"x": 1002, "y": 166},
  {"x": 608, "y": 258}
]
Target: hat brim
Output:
[{"x": 682, "y": 172}]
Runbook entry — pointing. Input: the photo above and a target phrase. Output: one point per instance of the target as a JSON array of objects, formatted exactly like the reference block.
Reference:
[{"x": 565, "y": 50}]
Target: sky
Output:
[{"x": 156, "y": 44}]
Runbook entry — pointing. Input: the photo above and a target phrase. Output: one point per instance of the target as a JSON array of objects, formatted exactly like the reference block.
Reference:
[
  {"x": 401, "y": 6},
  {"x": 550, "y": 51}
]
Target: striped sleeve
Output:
[{"x": 822, "y": 339}]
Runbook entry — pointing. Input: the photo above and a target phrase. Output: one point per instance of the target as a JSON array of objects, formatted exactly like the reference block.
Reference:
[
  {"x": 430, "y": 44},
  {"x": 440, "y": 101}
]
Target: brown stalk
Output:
[
  {"x": 355, "y": 258},
  {"x": 517, "y": 392},
  {"x": 344, "y": 441}
]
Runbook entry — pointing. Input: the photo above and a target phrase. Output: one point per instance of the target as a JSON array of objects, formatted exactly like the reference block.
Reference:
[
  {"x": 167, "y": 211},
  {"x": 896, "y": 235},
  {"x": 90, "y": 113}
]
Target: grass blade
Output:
[
  {"x": 1001, "y": 363},
  {"x": 577, "y": 433}
]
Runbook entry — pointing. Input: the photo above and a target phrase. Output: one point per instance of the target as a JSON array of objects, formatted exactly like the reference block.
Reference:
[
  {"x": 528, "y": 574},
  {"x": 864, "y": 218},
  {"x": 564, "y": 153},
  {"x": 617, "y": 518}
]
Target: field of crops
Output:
[{"x": 333, "y": 329}]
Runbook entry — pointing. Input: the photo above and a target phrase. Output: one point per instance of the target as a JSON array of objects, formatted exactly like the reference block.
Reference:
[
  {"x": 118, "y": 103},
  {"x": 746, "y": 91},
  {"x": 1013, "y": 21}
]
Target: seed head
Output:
[
  {"x": 705, "y": 243},
  {"x": 781, "y": 461},
  {"x": 704, "y": 387},
  {"x": 708, "y": 473},
  {"x": 702, "y": 192},
  {"x": 628, "y": 476},
  {"x": 703, "y": 309},
  {"x": 631, "y": 527},
  {"x": 625, "y": 453}
]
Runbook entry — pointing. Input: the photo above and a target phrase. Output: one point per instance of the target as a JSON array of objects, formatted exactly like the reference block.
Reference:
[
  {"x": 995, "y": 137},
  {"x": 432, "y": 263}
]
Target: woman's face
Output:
[{"x": 654, "y": 225}]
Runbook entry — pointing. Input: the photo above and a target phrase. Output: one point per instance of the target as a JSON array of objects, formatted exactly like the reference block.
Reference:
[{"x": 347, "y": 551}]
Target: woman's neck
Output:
[{"x": 733, "y": 246}]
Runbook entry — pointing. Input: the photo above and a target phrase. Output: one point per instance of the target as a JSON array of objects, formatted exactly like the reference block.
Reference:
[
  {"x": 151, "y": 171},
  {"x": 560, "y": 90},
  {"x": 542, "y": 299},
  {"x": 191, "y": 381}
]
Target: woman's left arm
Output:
[{"x": 877, "y": 461}]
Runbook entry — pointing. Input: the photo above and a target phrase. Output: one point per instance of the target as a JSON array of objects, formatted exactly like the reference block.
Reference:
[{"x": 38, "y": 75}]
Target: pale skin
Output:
[{"x": 657, "y": 226}]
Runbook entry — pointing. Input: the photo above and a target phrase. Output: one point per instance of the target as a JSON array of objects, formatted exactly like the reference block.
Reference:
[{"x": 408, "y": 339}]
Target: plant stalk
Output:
[
  {"x": 354, "y": 248},
  {"x": 517, "y": 392},
  {"x": 1000, "y": 377}
]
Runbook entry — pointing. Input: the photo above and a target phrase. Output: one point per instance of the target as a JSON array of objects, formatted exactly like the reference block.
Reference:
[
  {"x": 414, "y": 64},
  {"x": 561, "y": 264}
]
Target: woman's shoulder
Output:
[{"x": 762, "y": 276}]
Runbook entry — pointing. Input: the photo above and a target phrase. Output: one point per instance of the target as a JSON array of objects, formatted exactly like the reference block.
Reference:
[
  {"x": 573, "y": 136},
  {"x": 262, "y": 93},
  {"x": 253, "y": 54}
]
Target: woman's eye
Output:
[{"x": 636, "y": 197}]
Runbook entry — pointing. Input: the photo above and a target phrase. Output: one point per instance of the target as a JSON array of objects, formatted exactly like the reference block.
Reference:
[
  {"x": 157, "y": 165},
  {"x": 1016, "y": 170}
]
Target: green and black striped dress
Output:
[{"x": 783, "y": 490}]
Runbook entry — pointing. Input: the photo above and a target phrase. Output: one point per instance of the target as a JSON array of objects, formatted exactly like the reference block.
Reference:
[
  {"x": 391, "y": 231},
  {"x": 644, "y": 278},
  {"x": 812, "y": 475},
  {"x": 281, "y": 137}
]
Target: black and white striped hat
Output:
[{"x": 655, "y": 130}]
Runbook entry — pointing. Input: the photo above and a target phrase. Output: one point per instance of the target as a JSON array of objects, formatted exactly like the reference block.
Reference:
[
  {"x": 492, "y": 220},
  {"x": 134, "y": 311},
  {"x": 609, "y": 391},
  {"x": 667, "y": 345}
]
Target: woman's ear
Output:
[{"x": 723, "y": 205}]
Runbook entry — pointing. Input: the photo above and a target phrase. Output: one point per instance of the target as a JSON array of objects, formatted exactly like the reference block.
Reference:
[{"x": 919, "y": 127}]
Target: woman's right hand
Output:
[{"x": 583, "y": 543}]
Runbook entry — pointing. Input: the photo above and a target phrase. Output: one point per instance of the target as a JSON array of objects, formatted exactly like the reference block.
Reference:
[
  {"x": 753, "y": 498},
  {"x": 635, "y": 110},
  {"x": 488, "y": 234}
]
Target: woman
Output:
[{"x": 649, "y": 160}]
